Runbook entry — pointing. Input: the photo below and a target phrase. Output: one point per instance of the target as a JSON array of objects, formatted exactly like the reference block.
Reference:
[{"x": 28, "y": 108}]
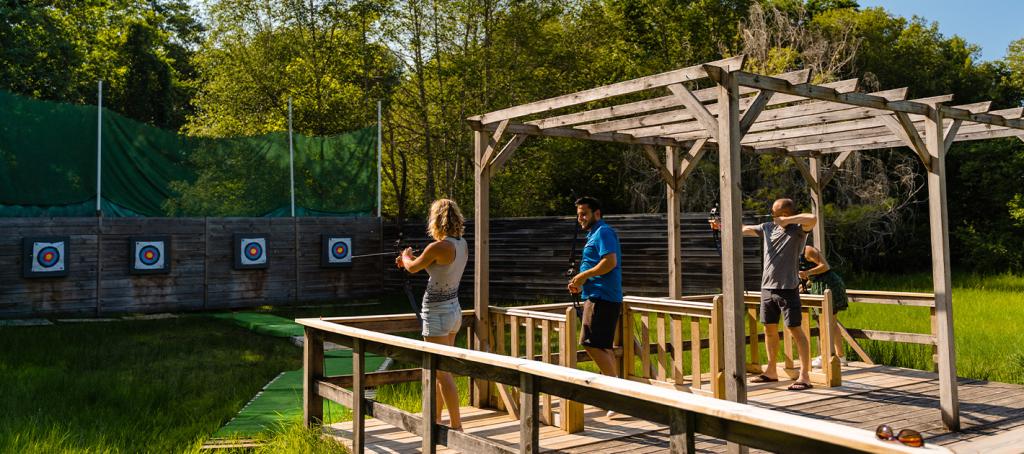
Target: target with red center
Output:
[
  {"x": 45, "y": 257},
  {"x": 250, "y": 251},
  {"x": 149, "y": 255},
  {"x": 336, "y": 251}
]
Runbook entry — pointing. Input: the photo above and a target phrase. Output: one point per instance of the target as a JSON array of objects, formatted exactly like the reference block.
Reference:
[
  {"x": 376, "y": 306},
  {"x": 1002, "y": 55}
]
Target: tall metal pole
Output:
[
  {"x": 379, "y": 148},
  {"x": 291, "y": 156},
  {"x": 99, "y": 148}
]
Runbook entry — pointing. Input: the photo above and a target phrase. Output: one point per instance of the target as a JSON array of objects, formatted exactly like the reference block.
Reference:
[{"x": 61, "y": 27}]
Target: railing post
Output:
[
  {"x": 529, "y": 428},
  {"x": 572, "y": 412},
  {"x": 717, "y": 354},
  {"x": 628, "y": 357},
  {"x": 754, "y": 366},
  {"x": 681, "y": 428},
  {"x": 429, "y": 380},
  {"x": 358, "y": 405},
  {"x": 829, "y": 357},
  {"x": 312, "y": 371}
]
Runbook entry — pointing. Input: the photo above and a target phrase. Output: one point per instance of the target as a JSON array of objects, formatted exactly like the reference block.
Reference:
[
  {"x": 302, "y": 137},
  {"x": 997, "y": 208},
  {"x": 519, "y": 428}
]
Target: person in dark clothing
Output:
[{"x": 817, "y": 276}]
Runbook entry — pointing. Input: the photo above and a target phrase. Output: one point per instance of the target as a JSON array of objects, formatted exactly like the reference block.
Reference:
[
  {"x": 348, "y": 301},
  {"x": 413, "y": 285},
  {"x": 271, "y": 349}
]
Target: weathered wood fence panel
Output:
[
  {"x": 529, "y": 256},
  {"x": 202, "y": 273}
]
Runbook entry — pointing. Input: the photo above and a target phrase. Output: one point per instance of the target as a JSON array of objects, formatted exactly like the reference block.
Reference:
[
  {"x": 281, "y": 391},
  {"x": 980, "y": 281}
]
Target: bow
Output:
[
  {"x": 715, "y": 218},
  {"x": 572, "y": 270},
  {"x": 407, "y": 281}
]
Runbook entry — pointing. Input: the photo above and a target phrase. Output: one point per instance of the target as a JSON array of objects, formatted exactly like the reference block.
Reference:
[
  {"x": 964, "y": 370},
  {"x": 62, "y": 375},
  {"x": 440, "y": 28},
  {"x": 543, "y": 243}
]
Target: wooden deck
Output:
[{"x": 992, "y": 416}]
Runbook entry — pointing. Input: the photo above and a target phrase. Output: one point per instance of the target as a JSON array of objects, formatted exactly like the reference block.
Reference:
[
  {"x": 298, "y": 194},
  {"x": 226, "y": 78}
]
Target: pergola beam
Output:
[
  {"x": 903, "y": 127},
  {"x": 833, "y": 168},
  {"x": 532, "y": 130},
  {"x": 608, "y": 91},
  {"x": 694, "y": 106}
]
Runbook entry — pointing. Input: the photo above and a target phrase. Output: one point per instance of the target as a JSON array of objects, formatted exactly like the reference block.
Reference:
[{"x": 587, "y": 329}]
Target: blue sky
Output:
[{"x": 991, "y": 24}]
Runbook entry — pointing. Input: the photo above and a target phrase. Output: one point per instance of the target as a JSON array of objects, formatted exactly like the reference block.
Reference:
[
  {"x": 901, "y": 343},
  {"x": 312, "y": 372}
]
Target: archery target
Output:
[
  {"x": 337, "y": 251},
  {"x": 251, "y": 251},
  {"x": 45, "y": 257},
  {"x": 48, "y": 257},
  {"x": 150, "y": 255}
]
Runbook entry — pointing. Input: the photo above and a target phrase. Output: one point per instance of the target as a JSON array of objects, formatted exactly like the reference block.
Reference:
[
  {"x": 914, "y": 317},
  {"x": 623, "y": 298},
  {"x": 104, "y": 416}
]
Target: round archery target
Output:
[
  {"x": 47, "y": 257},
  {"x": 340, "y": 250},
  {"x": 253, "y": 251},
  {"x": 150, "y": 255}
]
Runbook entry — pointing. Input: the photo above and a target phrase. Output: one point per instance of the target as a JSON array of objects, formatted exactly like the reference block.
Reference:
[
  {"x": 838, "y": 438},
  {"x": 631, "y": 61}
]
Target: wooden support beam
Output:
[
  {"x": 833, "y": 168},
  {"x": 939, "y": 227},
  {"x": 689, "y": 164},
  {"x": 312, "y": 370},
  {"x": 674, "y": 206},
  {"x": 806, "y": 172},
  {"x": 863, "y": 355},
  {"x": 506, "y": 152},
  {"x": 666, "y": 175},
  {"x": 987, "y": 118},
  {"x": 752, "y": 112},
  {"x": 430, "y": 421},
  {"x": 608, "y": 91},
  {"x": 492, "y": 144},
  {"x": 481, "y": 265},
  {"x": 734, "y": 309},
  {"x": 817, "y": 204},
  {"x": 697, "y": 109},
  {"x": 950, "y": 134},
  {"x": 966, "y": 133},
  {"x": 529, "y": 424},
  {"x": 681, "y": 428},
  {"x": 671, "y": 101},
  {"x": 358, "y": 404},
  {"x": 903, "y": 128}
]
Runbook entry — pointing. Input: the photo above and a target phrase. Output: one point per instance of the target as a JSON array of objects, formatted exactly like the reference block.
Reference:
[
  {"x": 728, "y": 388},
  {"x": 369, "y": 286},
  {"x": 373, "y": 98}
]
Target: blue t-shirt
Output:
[{"x": 601, "y": 241}]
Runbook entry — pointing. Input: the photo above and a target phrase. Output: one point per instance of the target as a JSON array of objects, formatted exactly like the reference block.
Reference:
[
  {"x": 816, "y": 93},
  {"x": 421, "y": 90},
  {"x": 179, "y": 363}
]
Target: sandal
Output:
[
  {"x": 763, "y": 379},
  {"x": 800, "y": 386}
]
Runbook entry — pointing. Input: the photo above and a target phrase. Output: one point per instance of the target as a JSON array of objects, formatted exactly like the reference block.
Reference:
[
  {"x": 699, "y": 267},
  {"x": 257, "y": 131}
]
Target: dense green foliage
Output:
[{"x": 229, "y": 70}]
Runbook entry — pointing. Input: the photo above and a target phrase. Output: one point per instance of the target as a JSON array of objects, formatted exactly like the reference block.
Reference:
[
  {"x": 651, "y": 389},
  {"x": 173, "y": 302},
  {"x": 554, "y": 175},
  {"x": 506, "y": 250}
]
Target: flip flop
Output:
[
  {"x": 799, "y": 386},
  {"x": 763, "y": 379}
]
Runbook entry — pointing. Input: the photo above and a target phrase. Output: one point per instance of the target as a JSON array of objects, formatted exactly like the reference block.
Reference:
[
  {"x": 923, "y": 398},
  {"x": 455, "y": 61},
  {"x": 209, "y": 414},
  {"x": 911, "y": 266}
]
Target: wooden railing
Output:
[
  {"x": 514, "y": 332},
  {"x": 685, "y": 414},
  {"x": 896, "y": 299},
  {"x": 663, "y": 362}
]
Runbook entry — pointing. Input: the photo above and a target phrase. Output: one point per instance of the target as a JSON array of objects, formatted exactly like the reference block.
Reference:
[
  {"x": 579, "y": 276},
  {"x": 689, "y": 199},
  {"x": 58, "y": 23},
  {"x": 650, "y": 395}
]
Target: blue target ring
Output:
[
  {"x": 48, "y": 257},
  {"x": 339, "y": 251},
  {"x": 253, "y": 251},
  {"x": 149, "y": 255}
]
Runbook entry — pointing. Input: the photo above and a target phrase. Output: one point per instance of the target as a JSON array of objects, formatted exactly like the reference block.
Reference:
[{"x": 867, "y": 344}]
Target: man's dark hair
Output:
[{"x": 594, "y": 204}]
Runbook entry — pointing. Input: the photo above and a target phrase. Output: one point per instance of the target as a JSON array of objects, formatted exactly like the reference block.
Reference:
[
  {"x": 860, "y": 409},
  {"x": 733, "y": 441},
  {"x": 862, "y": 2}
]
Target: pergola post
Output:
[
  {"x": 734, "y": 310},
  {"x": 481, "y": 262},
  {"x": 675, "y": 260},
  {"x": 939, "y": 225},
  {"x": 816, "y": 204}
]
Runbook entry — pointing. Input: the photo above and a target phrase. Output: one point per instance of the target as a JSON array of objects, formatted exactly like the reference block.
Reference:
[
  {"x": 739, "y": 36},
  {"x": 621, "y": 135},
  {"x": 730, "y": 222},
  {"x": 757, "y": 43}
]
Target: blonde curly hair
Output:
[{"x": 445, "y": 220}]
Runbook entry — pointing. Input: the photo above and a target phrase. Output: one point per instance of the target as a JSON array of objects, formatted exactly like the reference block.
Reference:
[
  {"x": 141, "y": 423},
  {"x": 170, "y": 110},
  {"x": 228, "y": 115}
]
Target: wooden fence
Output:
[
  {"x": 202, "y": 274},
  {"x": 529, "y": 256}
]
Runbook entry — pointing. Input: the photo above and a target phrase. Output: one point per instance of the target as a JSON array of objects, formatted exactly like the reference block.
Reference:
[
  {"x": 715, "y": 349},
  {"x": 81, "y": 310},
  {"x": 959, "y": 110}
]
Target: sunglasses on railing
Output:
[{"x": 909, "y": 437}]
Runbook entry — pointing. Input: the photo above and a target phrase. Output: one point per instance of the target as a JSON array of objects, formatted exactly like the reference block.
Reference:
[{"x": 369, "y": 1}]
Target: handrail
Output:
[{"x": 684, "y": 413}]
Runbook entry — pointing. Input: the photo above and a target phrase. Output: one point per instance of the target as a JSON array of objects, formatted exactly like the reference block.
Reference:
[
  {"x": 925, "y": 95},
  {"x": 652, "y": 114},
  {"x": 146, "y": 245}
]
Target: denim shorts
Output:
[{"x": 442, "y": 319}]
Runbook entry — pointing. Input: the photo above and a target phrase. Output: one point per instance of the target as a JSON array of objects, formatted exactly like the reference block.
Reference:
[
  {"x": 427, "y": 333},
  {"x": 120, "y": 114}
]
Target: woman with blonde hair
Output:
[{"x": 445, "y": 260}]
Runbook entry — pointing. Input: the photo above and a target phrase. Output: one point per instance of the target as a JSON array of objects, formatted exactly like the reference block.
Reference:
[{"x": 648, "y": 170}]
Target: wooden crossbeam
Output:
[
  {"x": 987, "y": 118},
  {"x": 531, "y": 130},
  {"x": 812, "y": 136},
  {"x": 819, "y": 92},
  {"x": 949, "y": 135},
  {"x": 608, "y": 91},
  {"x": 806, "y": 172},
  {"x": 966, "y": 133},
  {"x": 707, "y": 95},
  {"x": 668, "y": 102},
  {"x": 697, "y": 109},
  {"x": 800, "y": 115}
]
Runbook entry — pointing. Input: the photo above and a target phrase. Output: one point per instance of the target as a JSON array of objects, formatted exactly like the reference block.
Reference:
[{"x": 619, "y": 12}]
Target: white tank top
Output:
[{"x": 443, "y": 285}]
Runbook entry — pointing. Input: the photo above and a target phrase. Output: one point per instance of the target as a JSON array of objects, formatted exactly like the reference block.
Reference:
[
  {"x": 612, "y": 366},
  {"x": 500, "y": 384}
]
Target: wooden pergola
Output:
[{"x": 745, "y": 112}]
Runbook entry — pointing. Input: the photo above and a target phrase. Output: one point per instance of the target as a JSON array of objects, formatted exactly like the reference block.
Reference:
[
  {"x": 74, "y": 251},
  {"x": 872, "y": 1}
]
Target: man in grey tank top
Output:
[{"x": 783, "y": 241}]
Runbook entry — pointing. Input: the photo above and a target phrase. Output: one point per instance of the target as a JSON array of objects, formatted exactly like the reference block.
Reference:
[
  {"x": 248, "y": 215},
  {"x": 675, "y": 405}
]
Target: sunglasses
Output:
[{"x": 909, "y": 437}]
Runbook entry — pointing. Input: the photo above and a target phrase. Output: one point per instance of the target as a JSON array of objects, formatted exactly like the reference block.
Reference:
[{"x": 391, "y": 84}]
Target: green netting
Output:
[{"x": 48, "y": 168}]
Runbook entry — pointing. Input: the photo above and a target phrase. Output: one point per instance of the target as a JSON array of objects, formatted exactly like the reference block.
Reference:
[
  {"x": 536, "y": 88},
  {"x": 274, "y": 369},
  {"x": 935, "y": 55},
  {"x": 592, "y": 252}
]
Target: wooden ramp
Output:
[{"x": 992, "y": 416}]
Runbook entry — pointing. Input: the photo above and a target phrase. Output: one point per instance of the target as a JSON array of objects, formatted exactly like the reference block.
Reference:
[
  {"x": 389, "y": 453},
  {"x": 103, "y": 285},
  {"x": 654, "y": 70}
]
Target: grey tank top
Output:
[{"x": 443, "y": 285}]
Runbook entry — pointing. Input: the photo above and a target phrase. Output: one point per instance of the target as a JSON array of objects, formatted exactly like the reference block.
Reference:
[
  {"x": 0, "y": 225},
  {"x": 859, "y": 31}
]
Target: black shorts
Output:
[
  {"x": 600, "y": 318},
  {"x": 780, "y": 302}
]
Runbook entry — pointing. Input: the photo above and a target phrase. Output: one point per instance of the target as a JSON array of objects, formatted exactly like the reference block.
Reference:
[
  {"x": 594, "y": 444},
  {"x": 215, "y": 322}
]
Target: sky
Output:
[{"x": 991, "y": 24}]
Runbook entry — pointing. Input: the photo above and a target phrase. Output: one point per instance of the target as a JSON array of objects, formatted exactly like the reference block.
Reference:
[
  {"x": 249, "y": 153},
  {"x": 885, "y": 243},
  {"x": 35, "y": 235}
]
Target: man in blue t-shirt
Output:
[{"x": 600, "y": 281}]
